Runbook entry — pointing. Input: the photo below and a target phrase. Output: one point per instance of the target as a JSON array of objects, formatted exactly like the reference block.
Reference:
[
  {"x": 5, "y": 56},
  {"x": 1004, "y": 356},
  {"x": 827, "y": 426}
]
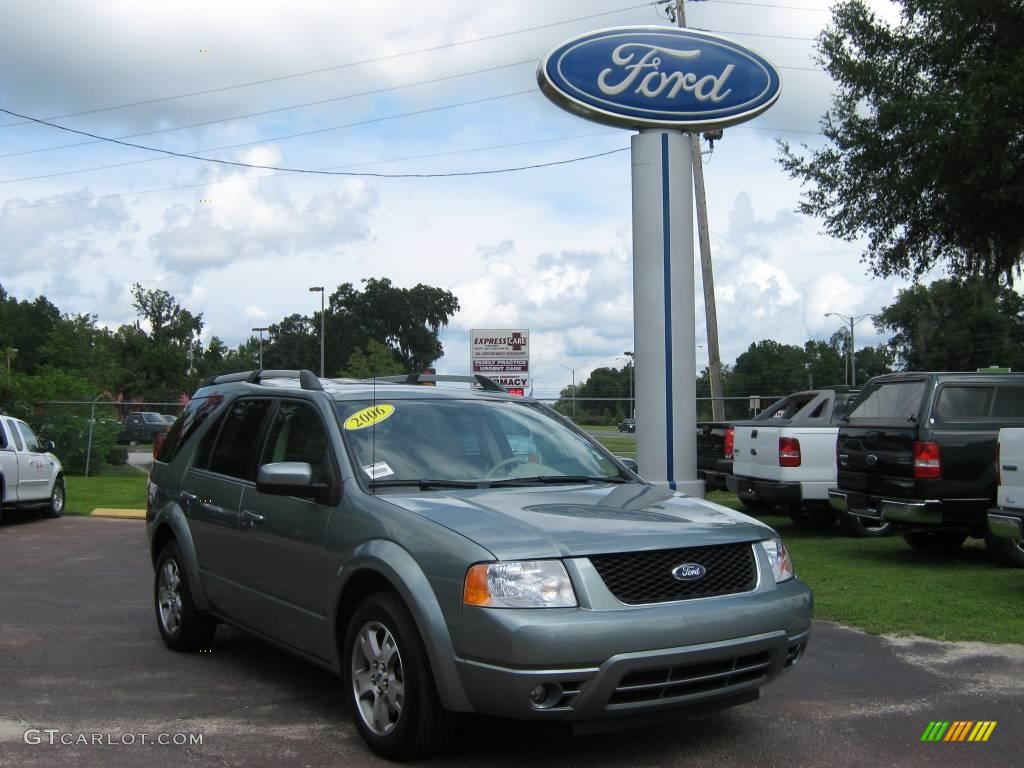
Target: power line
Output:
[
  {"x": 171, "y": 153},
  {"x": 754, "y": 34},
  {"x": 243, "y": 179},
  {"x": 277, "y": 109},
  {"x": 333, "y": 68},
  {"x": 313, "y": 171},
  {"x": 771, "y": 5}
]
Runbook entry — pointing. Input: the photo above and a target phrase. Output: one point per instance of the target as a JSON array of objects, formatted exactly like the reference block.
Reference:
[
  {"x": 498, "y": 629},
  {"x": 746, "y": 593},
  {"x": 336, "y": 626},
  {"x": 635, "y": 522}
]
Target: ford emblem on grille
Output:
[{"x": 689, "y": 571}]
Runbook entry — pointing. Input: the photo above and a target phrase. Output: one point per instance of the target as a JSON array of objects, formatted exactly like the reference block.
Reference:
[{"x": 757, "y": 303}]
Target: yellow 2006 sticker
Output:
[{"x": 369, "y": 416}]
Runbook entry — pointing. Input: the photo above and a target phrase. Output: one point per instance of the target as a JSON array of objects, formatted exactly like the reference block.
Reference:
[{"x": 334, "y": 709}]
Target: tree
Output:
[
  {"x": 954, "y": 325},
  {"x": 769, "y": 368},
  {"x": 926, "y": 133},
  {"x": 25, "y": 326},
  {"x": 378, "y": 360}
]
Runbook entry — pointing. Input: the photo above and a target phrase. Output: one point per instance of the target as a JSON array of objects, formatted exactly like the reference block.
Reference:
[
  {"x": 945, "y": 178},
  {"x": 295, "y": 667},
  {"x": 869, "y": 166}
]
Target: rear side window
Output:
[
  {"x": 890, "y": 400},
  {"x": 785, "y": 408},
  {"x": 1009, "y": 402},
  {"x": 15, "y": 434},
  {"x": 963, "y": 403},
  {"x": 842, "y": 407},
  {"x": 195, "y": 413},
  {"x": 3, "y": 437},
  {"x": 237, "y": 444}
]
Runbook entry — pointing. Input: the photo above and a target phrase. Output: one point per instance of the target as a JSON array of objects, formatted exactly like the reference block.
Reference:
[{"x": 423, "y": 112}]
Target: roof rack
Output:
[
  {"x": 307, "y": 379},
  {"x": 425, "y": 378}
]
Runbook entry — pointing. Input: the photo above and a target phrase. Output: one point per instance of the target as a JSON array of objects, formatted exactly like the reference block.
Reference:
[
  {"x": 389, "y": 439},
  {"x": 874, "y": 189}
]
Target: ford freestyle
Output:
[{"x": 447, "y": 550}]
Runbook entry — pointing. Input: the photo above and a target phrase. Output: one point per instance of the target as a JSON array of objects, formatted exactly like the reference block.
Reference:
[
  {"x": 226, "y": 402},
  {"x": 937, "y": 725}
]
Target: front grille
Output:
[
  {"x": 646, "y": 577},
  {"x": 688, "y": 679}
]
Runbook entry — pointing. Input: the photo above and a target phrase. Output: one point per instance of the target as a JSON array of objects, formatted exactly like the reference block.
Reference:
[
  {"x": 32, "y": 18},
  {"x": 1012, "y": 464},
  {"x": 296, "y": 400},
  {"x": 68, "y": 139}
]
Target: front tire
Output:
[
  {"x": 1005, "y": 551},
  {"x": 389, "y": 683},
  {"x": 57, "y": 498},
  {"x": 182, "y": 626},
  {"x": 935, "y": 541}
]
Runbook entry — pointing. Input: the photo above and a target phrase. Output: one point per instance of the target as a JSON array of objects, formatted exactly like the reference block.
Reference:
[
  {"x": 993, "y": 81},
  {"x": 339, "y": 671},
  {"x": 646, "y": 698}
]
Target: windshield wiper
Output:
[
  {"x": 423, "y": 484},
  {"x": 557, "y": 480}
]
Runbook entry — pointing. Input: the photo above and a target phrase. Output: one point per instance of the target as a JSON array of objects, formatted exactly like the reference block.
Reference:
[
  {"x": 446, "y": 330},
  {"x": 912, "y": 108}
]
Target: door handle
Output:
[
  {"x": 250, "y": 518},
  {"x": 188, "y": 497},
  {"x": 1009, "y": 467}
]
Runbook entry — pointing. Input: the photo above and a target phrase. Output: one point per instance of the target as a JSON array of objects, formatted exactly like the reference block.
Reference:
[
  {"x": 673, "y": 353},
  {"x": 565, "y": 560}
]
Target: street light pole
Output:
[
  {"x": 261, "y": 330},
  {"x": 852, "y": 320},
  {"x": 320, "y": 289},
  {"x": 629, "y": 364}
]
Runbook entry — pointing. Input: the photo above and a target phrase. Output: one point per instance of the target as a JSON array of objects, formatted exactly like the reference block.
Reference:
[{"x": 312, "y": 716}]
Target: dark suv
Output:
[
  {"x": 918, "y": 450},
  {"x": 453, "y": 550}
]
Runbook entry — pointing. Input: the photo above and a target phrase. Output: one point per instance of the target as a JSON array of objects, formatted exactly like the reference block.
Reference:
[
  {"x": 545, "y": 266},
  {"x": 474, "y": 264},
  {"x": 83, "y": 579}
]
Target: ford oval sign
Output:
[
  {"x": 659, "y": 77},
  {"x": 689, "y": 571}
]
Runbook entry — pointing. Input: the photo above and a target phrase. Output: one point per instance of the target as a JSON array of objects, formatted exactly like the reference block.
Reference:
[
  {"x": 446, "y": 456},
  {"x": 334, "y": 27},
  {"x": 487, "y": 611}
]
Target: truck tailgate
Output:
[
  {"x": 756, "y": 452},
  {"x": 877, "y": 460}
]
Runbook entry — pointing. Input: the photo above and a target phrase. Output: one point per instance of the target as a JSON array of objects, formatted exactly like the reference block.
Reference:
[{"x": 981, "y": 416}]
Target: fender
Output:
[
  {"x": 172, "y": 516},
  {"x": 401, "y": 569}
]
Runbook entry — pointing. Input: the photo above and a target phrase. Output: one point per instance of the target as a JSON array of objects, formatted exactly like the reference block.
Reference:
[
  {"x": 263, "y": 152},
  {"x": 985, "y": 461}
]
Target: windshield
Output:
[{"x": 476, "y": 442}]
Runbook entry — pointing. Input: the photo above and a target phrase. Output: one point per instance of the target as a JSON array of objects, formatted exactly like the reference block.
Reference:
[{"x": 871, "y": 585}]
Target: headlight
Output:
[
  {"x": 778, "y": 556},
  {"x": 519, "y": 584}
]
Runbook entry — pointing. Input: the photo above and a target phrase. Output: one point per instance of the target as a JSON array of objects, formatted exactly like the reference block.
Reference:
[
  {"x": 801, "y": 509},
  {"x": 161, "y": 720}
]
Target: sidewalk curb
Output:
[{"x": 121, "y": 514}]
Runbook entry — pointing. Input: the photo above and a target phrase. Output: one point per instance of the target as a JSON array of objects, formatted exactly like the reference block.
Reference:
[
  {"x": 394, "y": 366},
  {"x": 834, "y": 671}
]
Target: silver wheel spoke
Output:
[
  {"x": 361, "y": 681},
  {"x": 377, "y": 678},
  {"x": 396, "y": 696},
  {"x": 380, "y": 714}
]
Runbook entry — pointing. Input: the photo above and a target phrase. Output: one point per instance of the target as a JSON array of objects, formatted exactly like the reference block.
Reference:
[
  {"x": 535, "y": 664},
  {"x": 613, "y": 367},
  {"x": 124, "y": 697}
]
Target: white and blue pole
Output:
[{"x": 663, "y": 310}]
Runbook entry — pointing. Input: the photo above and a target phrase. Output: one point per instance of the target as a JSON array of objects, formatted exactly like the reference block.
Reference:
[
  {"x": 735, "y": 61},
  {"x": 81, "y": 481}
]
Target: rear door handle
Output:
[
  {"x": 250, "y": 518},
  {"x": 188, "y": 497},
  {"x": 1009, "y": 467}
]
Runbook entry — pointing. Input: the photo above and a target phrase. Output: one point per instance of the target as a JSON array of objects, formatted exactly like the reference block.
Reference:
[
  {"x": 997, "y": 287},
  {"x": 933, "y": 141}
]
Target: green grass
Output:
[
  {"x": 622, "y": 445},
  {"x": 116, "y": 488},
  {"x": 885, "y": 587}
]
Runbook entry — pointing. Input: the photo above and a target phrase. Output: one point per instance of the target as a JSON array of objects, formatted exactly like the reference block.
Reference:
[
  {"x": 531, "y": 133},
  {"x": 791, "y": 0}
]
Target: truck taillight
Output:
[
  {"x": 158, "y": 443},
  {"x": 730, "y": 441},
  {"x": 927, "y": 461},
  {"x": 789, "y": 452}
]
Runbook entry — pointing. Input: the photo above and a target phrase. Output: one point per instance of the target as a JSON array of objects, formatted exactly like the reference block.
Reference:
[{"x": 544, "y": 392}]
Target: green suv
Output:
[{"x": 446, "y": 549}]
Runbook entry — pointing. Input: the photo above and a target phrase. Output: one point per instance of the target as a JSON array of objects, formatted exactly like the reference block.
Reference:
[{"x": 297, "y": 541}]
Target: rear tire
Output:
[
  {"x": 182, "y": 626},
  {"x": 935, "y": 541},
  {"x": 57, "y": 498},
  {"x": 1005, "y": 551},
  {"x": 389, "y": 683},
  {"x": 862, "y": 528}
]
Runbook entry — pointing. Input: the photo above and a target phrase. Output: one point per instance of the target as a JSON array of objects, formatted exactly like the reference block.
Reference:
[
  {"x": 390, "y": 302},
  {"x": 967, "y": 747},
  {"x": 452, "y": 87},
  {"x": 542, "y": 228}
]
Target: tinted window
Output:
[
  {"x": 3, "y": 437},
  {"x": 196, "y": 412},
  {"x": 963, "y": 403},
  {"x": 890, "y": 400},
  {"x": 15, "y": 434},
  {"x": 31, "y": 441},
  {"x": 1009, "y": 402},
  {"x": 785, "y": 408},
  {"x": 236, "y": 446},
  {"x": 298, "y": 434},
  {"x": 153, "y": 418},
  {"x": 842, "y": 406}
]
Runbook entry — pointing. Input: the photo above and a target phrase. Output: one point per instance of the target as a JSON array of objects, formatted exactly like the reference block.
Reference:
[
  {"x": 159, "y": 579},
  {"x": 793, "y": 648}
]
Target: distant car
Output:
[
  {"x": 627, "y": 425},
  {"x": 143, "y": 426},
  {"x": 30, "y": 476}
]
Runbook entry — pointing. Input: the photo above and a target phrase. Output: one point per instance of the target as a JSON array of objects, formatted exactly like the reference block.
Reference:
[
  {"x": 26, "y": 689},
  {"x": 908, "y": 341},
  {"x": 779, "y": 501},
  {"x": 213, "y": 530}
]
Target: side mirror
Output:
[
  {"x": 45, "y": 446},
  {"x": 628, "y": 463},
  {"x": 290, "y": 478}
]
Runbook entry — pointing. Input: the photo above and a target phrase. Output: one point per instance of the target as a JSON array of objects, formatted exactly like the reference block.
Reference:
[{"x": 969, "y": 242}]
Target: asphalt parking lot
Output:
[{"x": 80, "y": 654}]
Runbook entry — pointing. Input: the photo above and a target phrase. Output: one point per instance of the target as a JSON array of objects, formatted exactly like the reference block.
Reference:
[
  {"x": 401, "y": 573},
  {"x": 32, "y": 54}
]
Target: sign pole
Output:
[{"x": 663, "y": 310}]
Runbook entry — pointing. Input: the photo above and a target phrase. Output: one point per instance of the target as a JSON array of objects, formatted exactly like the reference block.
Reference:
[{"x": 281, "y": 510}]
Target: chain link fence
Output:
[
  {"x": 611, "y": 411},
  {"x": 91, "y": 435}
]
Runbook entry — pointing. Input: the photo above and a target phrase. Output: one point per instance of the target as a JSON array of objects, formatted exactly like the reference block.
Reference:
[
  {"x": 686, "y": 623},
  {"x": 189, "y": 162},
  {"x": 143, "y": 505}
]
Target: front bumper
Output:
[
  {"x": 771, "y": 491},
  {"x": 636, "y": 661},
  {"x": 1006, "y": 526}
]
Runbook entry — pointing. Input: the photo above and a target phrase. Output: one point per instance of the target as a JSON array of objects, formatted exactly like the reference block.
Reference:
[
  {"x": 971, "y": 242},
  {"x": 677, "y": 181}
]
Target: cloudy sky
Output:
[{"x": 388, "y": 87}]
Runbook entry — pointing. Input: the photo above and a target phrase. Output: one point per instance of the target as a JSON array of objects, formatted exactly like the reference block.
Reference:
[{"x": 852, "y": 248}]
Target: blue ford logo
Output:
[
  {"x": 689, "y": 571},
  {"x": 642, "y": 77}
]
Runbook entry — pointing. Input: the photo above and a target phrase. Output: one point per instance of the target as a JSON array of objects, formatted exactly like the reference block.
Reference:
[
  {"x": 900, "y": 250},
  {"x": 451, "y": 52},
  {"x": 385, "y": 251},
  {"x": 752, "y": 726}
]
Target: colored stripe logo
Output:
[{"x": 959, "y": 730}]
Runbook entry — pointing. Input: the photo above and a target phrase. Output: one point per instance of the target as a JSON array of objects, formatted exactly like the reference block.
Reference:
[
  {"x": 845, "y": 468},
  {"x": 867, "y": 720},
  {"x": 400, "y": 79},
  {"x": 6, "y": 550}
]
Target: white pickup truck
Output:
[
  {"x": 1005, "y": 536},
  {"x": 786, "y": 457},
  {"x": 30, "y": 476}
]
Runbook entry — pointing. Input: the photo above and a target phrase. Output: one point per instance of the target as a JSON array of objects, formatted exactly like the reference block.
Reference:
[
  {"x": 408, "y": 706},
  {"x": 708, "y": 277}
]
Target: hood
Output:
[{"x": 579, "y": 520}]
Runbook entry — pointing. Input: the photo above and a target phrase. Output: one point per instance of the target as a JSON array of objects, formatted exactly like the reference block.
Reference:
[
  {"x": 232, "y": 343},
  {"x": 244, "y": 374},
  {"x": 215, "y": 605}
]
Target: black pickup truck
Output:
[
  {"x": 714, "y": 453},
  {"x": 918, "y": 450}
]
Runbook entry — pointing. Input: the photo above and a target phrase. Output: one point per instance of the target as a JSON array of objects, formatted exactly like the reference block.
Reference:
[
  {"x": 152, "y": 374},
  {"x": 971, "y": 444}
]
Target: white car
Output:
[
  {"x": 1005, "y": 539},
  {"x": 30, "y": 476}
]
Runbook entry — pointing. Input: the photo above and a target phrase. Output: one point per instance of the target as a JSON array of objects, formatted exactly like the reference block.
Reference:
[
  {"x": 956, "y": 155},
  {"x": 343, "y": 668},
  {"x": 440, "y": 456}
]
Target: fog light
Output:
[{"x": 545, "y": 695}]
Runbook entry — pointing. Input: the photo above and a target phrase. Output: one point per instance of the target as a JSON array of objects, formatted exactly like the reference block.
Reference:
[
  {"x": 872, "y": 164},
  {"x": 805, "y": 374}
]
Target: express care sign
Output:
[{"x": 502, "y": 355}]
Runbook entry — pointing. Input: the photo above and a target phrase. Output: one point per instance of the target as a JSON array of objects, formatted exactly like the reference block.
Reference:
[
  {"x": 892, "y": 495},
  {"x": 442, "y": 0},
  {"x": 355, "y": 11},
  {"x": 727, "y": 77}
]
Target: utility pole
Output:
[
  {"x": 320, "y": 289},
  {"x": 706, "y": 269},
  {"x": 261, "y": 330},
  {"x": 573, "y": 372},
  {"x": 852, "y": 320}
]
